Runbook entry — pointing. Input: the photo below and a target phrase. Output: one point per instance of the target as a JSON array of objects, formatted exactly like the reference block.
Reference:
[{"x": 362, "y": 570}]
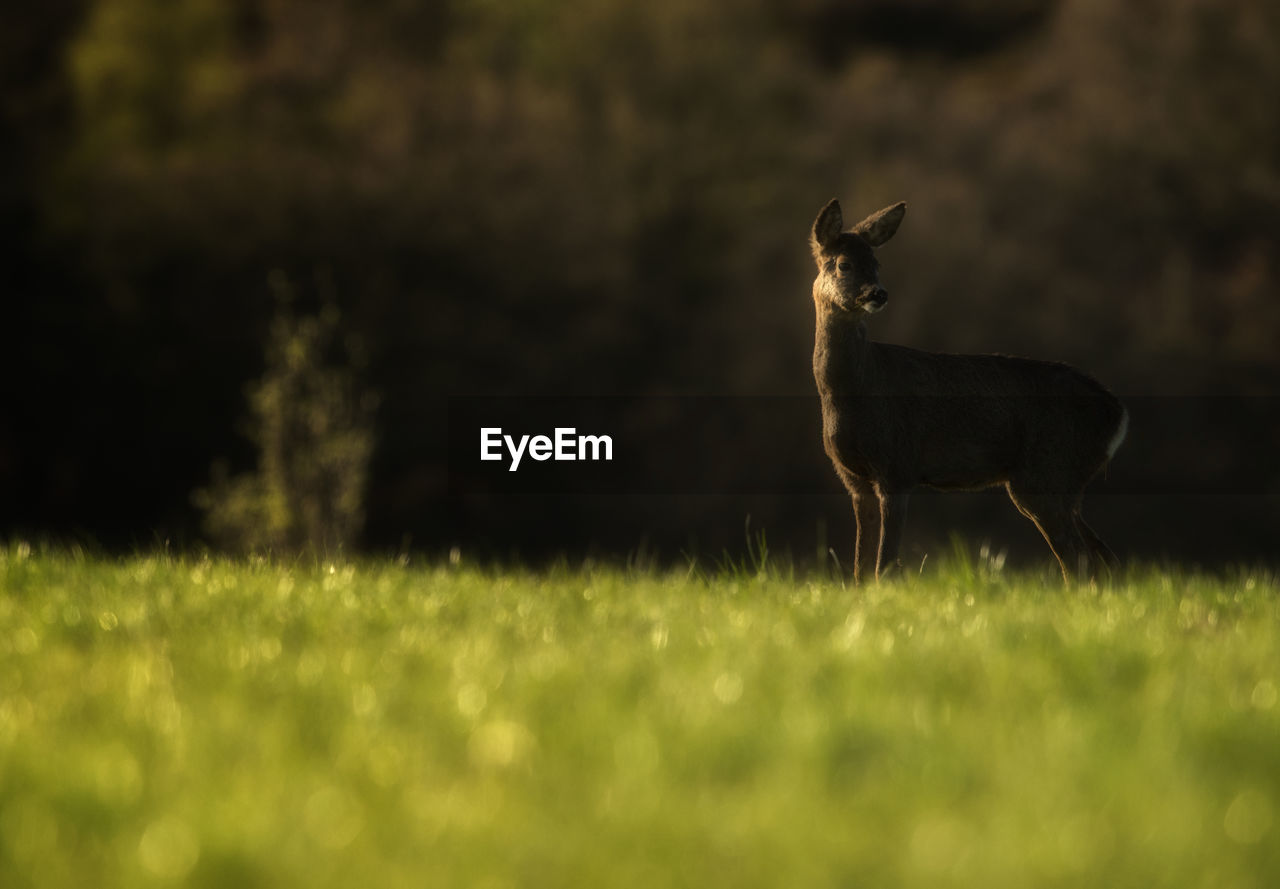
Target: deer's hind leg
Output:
[
  {"x": 1099, "y": 551},
  {"x": 1055, "y": 516}
]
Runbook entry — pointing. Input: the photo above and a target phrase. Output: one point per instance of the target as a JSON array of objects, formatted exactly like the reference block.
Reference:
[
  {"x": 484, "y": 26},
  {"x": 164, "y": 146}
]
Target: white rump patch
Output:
[{"x": 1118, "y": 438}]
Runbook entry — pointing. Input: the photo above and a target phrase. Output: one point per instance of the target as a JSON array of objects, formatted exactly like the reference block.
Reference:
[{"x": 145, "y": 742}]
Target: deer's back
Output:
[{"x": 963, "y": 421}]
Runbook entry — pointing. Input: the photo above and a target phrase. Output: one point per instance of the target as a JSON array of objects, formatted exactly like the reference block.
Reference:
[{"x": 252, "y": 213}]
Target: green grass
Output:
[{"x": 216, "y": 723}]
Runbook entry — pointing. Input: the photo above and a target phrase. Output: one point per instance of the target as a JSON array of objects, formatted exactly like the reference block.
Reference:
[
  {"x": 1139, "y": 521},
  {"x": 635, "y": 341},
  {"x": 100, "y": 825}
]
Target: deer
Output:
[{"x": 896, "y": 418}]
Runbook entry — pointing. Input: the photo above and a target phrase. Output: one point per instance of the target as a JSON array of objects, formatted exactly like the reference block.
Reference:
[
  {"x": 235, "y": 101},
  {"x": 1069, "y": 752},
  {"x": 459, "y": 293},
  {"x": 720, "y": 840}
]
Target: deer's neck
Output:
[{"x": 841, "y": 353}]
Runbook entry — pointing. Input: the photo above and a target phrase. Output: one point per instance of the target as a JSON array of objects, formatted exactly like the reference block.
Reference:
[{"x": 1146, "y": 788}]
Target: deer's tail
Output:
[{"x": 1117, "y": 437}]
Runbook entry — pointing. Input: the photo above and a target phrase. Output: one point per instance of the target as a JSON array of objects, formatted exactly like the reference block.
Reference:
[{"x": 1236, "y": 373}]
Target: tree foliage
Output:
[{"x": 598, "y": 196}]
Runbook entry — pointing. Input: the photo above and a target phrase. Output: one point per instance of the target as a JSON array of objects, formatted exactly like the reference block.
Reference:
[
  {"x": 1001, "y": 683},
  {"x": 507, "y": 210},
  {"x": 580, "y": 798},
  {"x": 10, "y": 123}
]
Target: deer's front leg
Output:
[
  {"x": 866, "y": 513},
  {"x": 893, "y": 517}
]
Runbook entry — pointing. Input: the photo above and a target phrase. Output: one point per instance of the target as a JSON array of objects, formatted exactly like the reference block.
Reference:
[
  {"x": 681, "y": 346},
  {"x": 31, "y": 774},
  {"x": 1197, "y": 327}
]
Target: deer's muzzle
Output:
[{"x": 873, "y": 299}]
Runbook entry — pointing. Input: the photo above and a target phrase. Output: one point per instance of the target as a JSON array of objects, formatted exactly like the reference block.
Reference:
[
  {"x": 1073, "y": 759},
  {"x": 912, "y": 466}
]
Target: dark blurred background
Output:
[{"x": 493, "y": 203}]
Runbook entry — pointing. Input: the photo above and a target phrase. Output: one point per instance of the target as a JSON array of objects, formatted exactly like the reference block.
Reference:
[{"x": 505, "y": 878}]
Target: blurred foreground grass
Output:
[{"x": 213, "y": 723}]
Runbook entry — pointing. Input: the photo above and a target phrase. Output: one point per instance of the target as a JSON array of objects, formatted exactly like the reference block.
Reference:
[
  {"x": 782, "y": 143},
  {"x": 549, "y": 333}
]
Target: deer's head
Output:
[{"x": 848, "y": 273}]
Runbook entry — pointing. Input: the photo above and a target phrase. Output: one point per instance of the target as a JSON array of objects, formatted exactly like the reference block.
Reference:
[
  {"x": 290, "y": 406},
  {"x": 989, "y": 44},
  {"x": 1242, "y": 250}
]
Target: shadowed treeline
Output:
[{"x": 603, "y": 198}]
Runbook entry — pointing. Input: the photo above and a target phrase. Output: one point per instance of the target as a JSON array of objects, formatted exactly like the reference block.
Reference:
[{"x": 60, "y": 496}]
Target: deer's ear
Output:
[
  {"x": 827, "y": 227},
  {"x": 880, "y": 226}
]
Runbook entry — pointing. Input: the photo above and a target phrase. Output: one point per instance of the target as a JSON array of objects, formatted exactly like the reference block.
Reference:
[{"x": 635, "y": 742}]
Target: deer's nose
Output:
[{"x": 875, "y": 298}]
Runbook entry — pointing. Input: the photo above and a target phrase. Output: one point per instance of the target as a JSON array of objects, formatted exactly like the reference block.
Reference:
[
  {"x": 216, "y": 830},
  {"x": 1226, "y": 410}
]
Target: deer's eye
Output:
[{"x": 845, "y": 266}]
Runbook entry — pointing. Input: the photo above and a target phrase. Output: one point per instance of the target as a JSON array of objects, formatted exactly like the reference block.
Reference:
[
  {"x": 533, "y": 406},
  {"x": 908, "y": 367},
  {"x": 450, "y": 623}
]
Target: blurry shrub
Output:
[{"x": 313, "y": 428}]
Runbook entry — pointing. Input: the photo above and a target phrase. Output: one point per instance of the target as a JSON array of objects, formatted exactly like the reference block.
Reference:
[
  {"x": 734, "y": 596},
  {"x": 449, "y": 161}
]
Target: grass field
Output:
[{"x": 170, "y": 721}]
